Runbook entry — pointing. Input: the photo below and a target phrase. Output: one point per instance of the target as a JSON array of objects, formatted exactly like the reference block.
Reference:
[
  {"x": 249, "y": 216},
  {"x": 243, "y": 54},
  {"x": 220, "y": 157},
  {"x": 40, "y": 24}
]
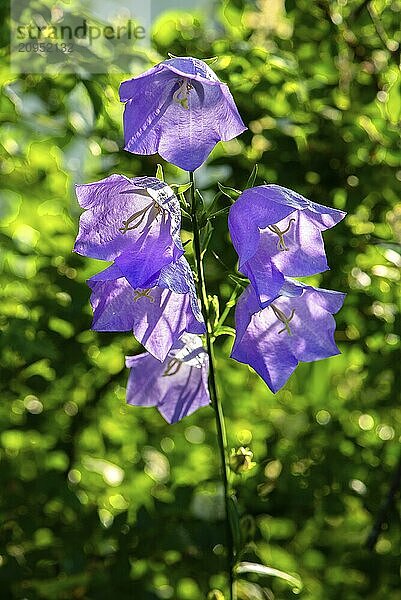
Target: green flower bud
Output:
[
  {"x": 241, "y": 460},
  {"x": 215, "y": 595}
]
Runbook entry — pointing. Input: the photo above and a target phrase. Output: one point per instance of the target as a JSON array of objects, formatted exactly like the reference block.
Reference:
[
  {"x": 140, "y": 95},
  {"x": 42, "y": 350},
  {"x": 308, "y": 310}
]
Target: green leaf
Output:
[
  {"x": 206, "y": 236},
  {"x": 181, "y": 188},
  {"x": 160, "y": 172},
  {"x": 224, "y": 330},
  {"x": 252, "y": 177},
  {"x": 200, "y": 210},
  {"x": 248, "y": 567},
  {"x": 233, "y": 516},
  {"x": 230, "y": 192},
  {"x": 242, "y": 281},
  {"x": 214, "y": 202},
  {"x": 222, "y": 211},
  {"x": 217, "y": 257},
  {"x": 211, "y": 61},
  {"x": 185, "y": 213}
]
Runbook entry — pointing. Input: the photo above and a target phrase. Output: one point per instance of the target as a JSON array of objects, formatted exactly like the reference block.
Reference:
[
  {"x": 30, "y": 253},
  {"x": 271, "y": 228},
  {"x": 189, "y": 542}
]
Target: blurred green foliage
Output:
[{"x": 101, "y": 500}]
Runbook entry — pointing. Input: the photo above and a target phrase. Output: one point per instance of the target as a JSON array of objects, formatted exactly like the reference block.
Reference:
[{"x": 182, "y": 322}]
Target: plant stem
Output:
[{"x": 218, "y": 410}]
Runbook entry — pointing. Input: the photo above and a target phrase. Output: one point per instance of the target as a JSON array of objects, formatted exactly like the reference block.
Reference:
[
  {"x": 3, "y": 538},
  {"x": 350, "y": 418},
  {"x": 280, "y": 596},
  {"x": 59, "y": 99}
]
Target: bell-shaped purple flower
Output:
[
  {"x": 277, "y": 232},
  {"x": 140, "y": 216},
  {"x": 158, "y": 310},
  {"x": 177, "y": 386},
  {"x": 180, "y": 109},
  {"x": 297, "y": 326}
]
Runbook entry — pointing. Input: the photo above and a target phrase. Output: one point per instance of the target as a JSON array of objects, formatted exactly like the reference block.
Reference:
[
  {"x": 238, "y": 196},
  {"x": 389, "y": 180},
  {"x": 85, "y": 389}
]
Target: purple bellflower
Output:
[
  {"x": 297, "y": 326},
  {"x": 177, "y": 386},
  {"x": 180, "y": 109},
  {"x": 159, "y": 310},
  {"x": 277, "y": 232},
  {"x": 139, "y": 216}
]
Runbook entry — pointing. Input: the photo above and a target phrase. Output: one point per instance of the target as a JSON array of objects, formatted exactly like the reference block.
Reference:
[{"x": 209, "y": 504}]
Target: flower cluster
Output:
[
  {"x": 278, "y": 235},
  {"x": 149, "y": 287},
  {"x": 180, "y": 109}
]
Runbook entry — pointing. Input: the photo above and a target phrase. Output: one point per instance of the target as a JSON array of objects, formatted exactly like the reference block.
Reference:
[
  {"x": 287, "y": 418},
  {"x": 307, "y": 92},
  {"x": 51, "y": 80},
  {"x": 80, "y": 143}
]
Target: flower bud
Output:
[
  {"x": 215, "y": 595},
  {"x": 241, "y": 460}
]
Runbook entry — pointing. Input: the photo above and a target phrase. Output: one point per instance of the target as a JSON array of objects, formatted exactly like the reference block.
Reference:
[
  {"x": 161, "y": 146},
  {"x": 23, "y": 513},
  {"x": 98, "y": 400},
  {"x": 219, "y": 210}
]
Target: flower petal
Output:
[
  {"x": 277, "y": 233},
  {"x": 184, "y": 135},
  {"x": 158, "y": 316},
  {"x": 177, "y": 276},
  {"x": 274, "y": 346},
  {"x": 178, "y": 386},
  {"x": 113, "y": 201}
]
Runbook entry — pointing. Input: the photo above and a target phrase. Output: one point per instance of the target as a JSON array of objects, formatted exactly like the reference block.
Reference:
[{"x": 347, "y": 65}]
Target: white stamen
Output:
[{"x": 153, "y": 209}]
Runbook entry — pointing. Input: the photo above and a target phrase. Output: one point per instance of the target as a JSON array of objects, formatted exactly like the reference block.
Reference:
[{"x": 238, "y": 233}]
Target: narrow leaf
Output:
[
  {"x": 235, "y": 525},
  {"x": 214, "y": 202},
  {"x": 230, "y": 192},
  {"x": 217, "y": 257},
  {"x": 248, "y": 567},
  {"x": 222, "y": 211},
  {"x": 252, "y": 177},
  {"x": 224, "y": 330},
  {"x": 206, "y": 236},
  {"x": 242, "y": 281},
  {"x": 185, "y": 213},
  {"x": 200, "y": 210},
  {"x": 212, "y": 60},
  {"x": 160, "y": 173},
  {"x": 181, "y": 188}
]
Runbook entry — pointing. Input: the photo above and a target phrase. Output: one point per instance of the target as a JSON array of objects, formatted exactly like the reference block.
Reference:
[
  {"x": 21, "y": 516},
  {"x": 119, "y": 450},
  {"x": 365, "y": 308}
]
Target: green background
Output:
[{"x": 100, "y": 500}]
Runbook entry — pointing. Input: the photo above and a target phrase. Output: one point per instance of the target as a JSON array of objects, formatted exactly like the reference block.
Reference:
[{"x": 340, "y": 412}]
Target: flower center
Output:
[
  {"x": 135, "y": 220},
  {"x": 173, "y": 367},
  {"x": 143, "y": 294},
  {"x": 180, "y": 96},
  {"x": 283, "y": 318},
  {"x": 281, "y": 245}
]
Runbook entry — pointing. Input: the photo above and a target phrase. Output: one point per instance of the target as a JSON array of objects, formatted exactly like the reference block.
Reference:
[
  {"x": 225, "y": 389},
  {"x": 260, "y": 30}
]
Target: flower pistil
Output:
[
  {"x": 143, "y": 294},
  {"x": 180, "y": 96},
  {"x": 173, "y": 367},
  {"x": 281, "y": 245},
  {"x": 283, "y": 318},
  {"x": 154, "y": 211}
]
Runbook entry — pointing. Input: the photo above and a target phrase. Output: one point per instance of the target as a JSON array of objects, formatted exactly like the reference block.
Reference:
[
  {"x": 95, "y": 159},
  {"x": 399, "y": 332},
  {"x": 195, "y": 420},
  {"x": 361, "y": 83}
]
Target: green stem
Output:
[
  {"x": 218, "y": 410},
  {"x": 229, "y": 306}
]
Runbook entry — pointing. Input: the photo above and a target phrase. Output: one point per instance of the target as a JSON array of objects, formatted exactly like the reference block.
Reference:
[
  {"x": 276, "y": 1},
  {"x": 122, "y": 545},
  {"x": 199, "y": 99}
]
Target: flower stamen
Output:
[
  {"x": 140, "y": 216},
  {"x": 173, "y": 367},
  {"x": 281, "y": 245},
  {"x": 180, "y": 96},
  {"x": 282, "y": 317},
  {"x": 143, "y": 294}
]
